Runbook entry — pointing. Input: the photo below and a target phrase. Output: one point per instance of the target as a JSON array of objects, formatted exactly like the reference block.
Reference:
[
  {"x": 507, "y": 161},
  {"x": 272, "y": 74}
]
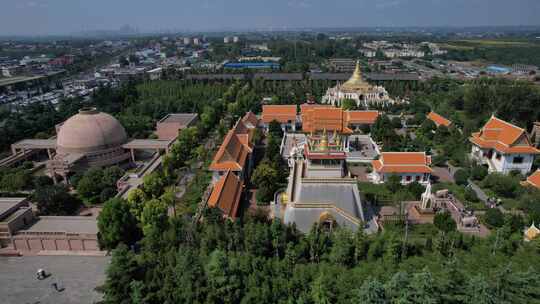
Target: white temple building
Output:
[{"x": 363, "y": 93}]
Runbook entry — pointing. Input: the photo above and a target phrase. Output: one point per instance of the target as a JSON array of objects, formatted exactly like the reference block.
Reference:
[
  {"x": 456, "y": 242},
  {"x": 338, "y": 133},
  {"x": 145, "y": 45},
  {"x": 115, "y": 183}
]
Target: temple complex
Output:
[
  {"x": 363, "y": 93},
  {"x": 320, "y": 189}
]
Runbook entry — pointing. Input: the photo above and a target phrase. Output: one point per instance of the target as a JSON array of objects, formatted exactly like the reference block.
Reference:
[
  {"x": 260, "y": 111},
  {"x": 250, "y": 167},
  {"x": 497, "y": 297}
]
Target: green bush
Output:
[
  {"x": 470, "y": 195},
  {"x": 264, "y": 195},
  {"x": 396, "y": 123},
  {"x": 479, "y": 172},
  {"x": 27, "y": 165},
  {"x": 502, "y": 185},
  {"x": 444, "y": 222},
  {"x": 494, "y": 218},
  {"x": 439, "y": 160},
  {"x": 416, "y": 189},
  {"x": 461, "y": 177}
]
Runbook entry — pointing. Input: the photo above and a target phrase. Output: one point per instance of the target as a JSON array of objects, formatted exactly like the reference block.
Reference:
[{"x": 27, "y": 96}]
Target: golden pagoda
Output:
[
  {"x": 531, "y": 233},
  {"x": 323, "y": 144},
  {"x": 356, "y": 83}
]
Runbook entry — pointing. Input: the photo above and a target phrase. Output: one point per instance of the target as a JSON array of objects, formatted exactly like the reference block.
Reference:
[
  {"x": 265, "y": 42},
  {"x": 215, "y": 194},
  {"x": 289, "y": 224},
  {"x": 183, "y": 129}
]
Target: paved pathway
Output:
[
  {"x": 360, "y": 172},
  {"x": 443, "y": 174},
  {"x": 479, "y": 192}
]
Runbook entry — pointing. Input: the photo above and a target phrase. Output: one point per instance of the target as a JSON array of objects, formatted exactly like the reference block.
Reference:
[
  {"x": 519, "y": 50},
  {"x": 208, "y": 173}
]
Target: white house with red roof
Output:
[
  {"x": 284, "y": 114},
  {"x": 503, "y": 147},
  {"x": 409, "y": 166}
]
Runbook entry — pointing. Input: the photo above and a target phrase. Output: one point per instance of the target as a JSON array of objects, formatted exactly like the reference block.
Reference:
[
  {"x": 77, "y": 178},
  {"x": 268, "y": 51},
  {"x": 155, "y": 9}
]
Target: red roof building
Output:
[
  {"x": 361, "y": 117},
  {"x": 235, "y": 150},
  {"x": 319, "y": 118},
  {"x": 438, "y": 119},
  {"x": 281, "y": 113},
  {"x": 534, "y": 179},
  {"x": 503, "y": 146},
  {"x": 226, "y": 194},
  {"x": 410, "y": 166},
  {"x": 250, "y": 120}
]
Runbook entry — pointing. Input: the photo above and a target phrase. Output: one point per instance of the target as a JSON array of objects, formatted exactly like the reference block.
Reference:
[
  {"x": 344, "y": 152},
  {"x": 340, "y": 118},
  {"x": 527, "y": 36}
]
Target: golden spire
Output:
[
  {"x": 356, "y": 82},
  {"x": 323, "y": 146},
  {"x": 357, "y": 75}
]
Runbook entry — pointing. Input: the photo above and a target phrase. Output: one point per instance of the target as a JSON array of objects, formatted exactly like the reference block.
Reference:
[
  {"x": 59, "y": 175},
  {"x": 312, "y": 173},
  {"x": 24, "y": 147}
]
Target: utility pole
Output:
[
  {"x": 404, "y": 249},
  {"x": 496, "y": 243},
  {"x": 295, "y": 58}
]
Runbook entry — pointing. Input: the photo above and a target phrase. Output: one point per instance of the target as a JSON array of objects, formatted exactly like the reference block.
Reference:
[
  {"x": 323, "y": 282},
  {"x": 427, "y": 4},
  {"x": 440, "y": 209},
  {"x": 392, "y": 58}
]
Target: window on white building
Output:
[{"x": 518, "y": 159}]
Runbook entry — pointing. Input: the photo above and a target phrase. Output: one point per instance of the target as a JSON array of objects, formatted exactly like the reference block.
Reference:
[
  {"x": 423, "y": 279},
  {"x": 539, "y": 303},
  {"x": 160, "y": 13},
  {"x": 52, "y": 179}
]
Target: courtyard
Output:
[{"x": 78, "y": 276}]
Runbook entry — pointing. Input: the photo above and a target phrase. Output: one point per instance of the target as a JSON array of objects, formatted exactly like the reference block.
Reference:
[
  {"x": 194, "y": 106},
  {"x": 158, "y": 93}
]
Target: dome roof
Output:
[
  {"x": 90, "y": 131},
  {"x": 356, "y": 83}
]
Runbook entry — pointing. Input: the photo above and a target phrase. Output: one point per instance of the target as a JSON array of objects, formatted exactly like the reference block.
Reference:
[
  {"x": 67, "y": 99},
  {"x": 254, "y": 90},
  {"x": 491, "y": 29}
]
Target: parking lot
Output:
[{"x": 78, "y": 276}]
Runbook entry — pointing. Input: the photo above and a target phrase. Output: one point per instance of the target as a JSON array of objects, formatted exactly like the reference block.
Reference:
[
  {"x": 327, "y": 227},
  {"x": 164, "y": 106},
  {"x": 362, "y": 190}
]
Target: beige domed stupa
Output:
[
  {"x": 88, "y": 139},
  {"x": 90, "y": 131}
]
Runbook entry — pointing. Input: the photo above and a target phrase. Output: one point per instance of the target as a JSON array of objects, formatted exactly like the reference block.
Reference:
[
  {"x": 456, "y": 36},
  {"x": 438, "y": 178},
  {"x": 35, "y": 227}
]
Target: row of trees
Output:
[
  {"x": 271, "y": 173},
  {"x": 255, "y": 261}
]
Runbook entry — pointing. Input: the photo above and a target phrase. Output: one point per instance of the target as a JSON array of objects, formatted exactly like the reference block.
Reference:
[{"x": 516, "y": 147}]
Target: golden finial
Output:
[
  {"x": 357, "y": 71},
  {"x": 323, "y": 146},
  {"x": 356, "y": 79}
]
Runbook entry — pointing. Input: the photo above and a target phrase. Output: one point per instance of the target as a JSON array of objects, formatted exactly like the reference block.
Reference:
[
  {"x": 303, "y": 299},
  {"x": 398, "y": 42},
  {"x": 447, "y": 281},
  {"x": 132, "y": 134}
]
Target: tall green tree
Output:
[
  {"x": 55, "y": 200},
  {"x": 117, "y": 224},
  {"x": 120, "y": 274},
  {"x": 223, "y": 282},
  {"x": 372, "y": 292}
]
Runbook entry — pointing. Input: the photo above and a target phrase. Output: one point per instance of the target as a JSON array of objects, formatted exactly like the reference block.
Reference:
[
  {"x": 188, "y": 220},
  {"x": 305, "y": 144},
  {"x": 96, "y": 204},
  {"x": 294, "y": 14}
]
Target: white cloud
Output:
[
  {"x": 383, "y": 4},
  {"x": 31, "y": 4},
  {"x": 299, "y": 3}
]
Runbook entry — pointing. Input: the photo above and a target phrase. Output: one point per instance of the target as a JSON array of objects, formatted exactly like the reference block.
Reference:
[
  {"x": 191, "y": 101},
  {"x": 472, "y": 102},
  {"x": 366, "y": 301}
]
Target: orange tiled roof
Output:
[
  {"x": 250, "y": 119},
  {"x": 438, "y": 119},
  {"x": 534, "y": 179},
  {"x": 316, "y": 118},
  {"x": 361, "y": 117},
  {"x": 281, "y": 113},
  {"x": 234, "y": 151},
  {"x": 226, "y": 194},
  {"x": 306, "y": 106},
  {"x": 504, "y": 137},
  {"x": 403, "y": 162}
]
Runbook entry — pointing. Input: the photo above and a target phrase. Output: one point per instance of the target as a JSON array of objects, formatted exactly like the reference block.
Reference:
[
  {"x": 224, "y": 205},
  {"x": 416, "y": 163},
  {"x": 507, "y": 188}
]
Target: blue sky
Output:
[{"x": 67, "y": 16}]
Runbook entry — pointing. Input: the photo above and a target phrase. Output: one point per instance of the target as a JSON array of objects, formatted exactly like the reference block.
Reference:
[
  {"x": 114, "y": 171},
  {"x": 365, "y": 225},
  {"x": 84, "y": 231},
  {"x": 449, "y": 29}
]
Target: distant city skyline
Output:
[{"x": 46, "y": 17}]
